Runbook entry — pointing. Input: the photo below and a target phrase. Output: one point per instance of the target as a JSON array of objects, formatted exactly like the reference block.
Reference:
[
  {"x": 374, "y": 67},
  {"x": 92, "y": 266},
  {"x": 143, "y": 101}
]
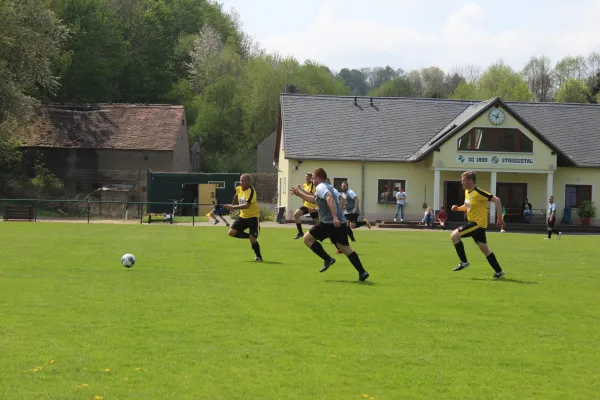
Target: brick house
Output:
[{"x": 92, "y": 146}]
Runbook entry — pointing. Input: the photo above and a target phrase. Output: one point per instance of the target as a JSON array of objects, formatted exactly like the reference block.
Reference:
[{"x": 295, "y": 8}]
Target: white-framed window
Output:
[
  {"x": 237, "y": 183},
  {"x": 220, "y": 184},
  {"x": 387, "y": 189},
  {"x": 575, "y": 194}
]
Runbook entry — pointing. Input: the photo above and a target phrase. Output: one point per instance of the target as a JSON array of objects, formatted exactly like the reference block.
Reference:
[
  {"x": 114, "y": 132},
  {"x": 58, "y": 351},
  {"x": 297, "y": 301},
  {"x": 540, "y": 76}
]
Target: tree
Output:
[
  {"x": 500, "y": 80},
  {"x": 97, "y": 52},
  {"x": 398, "y": 87},
  {"x": 433, "y": 82},
  {"x": 570, "y": 67},
  {"x": 355, "y": 80},
  {"x": 573, "y": 91},
  {"x": 539, "y": 76}
]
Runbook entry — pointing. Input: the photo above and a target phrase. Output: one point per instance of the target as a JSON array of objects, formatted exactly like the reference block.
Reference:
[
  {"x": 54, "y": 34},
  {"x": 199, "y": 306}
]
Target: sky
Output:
[{"x": 413, "y": 34}]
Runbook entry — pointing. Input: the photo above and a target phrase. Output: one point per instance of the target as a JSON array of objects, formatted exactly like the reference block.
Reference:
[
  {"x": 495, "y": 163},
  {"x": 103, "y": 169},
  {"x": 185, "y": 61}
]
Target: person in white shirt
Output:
[
  {"x": 400, "y": 203},
  {"x": 552, "y": 218}
]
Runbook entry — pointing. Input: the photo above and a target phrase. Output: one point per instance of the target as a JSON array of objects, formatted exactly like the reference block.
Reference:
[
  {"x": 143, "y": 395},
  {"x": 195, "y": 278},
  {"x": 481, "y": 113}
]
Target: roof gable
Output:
[{"x": 107, "y": 126}]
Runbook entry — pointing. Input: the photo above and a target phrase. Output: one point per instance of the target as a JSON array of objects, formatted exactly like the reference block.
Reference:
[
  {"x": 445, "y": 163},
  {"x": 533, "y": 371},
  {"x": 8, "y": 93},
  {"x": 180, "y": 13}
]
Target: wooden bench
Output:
[
  {"x": 19, "y": 213},
  {"x": 161, "y": 217}
]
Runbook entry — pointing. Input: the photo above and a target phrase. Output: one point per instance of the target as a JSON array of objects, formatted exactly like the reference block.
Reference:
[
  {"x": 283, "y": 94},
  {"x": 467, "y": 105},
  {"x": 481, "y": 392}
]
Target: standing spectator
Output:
[
  {"x": 400, "y": 203},
  {"x": 527, "y": 210},
  {"x": 442, "y": 217},
  {"x": 552, "y": 218}
]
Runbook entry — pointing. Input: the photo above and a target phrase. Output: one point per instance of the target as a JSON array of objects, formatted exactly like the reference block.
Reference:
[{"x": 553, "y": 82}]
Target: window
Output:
[
  {"x": 146, "y": 158},
  {"x": 220, "y": 184},
  {"x": 387, "y": 189},
  {"x": 505, "y": 140},
  {"x": 337, "y": 183},
  {"x": 575, "y": 194}
]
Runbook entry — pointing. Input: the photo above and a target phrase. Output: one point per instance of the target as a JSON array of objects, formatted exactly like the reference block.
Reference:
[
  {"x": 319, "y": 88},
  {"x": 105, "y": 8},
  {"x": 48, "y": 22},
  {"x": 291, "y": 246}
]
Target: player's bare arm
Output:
[
  {"x": 498, "y": 203},
  {"x": 459, "y": 208},
  {"x": 356, "y": 202},
  {"x": 303, "y": 195}
]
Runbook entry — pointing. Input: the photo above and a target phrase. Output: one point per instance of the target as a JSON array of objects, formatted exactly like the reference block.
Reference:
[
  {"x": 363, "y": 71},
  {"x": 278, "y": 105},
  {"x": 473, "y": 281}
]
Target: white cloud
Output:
[{"x": 468, "y": 35}]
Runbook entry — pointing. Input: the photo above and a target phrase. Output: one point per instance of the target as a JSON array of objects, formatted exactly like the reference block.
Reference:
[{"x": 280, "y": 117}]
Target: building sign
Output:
[{"x": 494, "y": 160}]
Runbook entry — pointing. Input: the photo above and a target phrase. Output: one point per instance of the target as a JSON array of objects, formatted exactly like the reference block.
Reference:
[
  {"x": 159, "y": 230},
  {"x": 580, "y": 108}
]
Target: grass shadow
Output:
[
  {"x": 506, "y": 280},
  {"x": 367, "y": 283},
  {"x": 264, "y": 262}
]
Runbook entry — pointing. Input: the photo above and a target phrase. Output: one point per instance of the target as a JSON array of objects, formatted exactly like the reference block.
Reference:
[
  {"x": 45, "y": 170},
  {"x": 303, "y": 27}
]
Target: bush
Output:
[
  {"x": 266, "y": 212},
  {"x": 587, "y": 209}
]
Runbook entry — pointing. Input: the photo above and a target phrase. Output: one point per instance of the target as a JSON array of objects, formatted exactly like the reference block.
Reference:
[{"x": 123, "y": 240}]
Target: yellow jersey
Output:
[
  {"x": 247, "y": 196},
  {"x": 476, "y": 203},
  {"x": 310, "y": 188}
]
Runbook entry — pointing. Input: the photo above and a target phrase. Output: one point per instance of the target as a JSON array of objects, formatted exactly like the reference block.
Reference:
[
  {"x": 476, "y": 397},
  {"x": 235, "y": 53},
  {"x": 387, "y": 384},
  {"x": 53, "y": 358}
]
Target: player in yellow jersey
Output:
[
  {"x": 477, "y": 216},
  {"x": 307, "y": 207},
  {"x": 245, "y": 196}
]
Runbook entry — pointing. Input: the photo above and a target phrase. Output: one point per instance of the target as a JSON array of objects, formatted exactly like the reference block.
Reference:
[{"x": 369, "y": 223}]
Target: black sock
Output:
[
  {"x": 549, "y": 234},
  {"x": 318, "y": 250},
  {"x": 299, "y": 226},
  {"x": 350, "y": 233},
  {"x": 359, "y": 224},
  {"x": 242, "y": 235},
  {"x": 356, "y": 262},
  {"x": 494, "y": 263},
  {"x": 256, "y": 248},
  {"x": 555, "y": 231},
  {"x": 460, "y": 250}
]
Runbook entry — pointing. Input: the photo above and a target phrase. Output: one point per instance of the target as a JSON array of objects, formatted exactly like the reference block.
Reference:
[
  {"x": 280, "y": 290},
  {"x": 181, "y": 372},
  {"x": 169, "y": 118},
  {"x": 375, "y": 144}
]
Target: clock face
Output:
[{"x": 496, "y": 116}]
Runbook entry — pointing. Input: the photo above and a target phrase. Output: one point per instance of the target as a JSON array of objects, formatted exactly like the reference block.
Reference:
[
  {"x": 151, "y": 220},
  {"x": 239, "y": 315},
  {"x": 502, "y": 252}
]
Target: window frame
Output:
[
  {"x": 577, "y": 196},
  {"x": 517, "y": 141},
  {"x": 219, "y": 187},
  {"x": 395, "y": 180},
  {"x": 333, "y": 178}
]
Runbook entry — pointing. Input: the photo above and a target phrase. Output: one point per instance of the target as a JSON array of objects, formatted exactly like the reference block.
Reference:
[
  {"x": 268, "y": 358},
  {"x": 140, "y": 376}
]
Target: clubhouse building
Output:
[{"x": 518, "y": 149}]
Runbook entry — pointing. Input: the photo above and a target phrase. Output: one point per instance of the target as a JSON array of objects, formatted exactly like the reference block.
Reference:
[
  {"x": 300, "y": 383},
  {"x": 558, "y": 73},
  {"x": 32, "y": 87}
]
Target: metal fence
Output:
[{"x": 90, "y": 211}]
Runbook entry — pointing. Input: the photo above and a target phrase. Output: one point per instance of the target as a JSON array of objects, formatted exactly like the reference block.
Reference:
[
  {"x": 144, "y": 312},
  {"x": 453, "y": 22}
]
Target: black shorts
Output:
[
  {"x": 305, "y": 210},
  {"x": 241, "y": 224},
  {"x": 219, "y": 210},
  {"x": 549, "y": 223},
  {"x": 352, "y": 218},
  {"x": 471, "y": 229},
  {"x": 323, "y": 231}
]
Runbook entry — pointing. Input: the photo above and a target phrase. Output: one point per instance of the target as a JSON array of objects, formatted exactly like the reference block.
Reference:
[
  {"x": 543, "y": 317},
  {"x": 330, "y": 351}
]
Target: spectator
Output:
[
  {"x": 442, "y": 217},
  {"x": 400, "y": 203},
  {"x": 527, "y": 210},
  {"x": 428, "y": 217}
]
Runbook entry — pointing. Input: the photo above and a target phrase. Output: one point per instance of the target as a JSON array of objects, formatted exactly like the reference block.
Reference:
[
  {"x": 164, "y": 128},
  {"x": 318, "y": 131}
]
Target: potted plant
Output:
[{"x": 586, "y": 211}]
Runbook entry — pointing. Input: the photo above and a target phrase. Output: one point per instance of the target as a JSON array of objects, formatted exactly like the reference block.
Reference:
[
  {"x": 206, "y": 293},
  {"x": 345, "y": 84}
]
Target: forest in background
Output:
[{"x": 195, "y": 53}]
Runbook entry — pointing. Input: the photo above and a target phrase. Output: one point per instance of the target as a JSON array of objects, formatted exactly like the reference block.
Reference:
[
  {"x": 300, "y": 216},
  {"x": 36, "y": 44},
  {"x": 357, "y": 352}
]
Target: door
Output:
[
  {"x": 204, "y": 199},
  {"x": 512, "y": 196},
  {"x": 454, "y": 195}
]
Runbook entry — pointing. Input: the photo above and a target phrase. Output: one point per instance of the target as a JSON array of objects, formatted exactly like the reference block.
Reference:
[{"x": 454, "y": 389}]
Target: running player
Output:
[
  {"x": 352, "y": 210},
  {"x": 307, "y": 207}
]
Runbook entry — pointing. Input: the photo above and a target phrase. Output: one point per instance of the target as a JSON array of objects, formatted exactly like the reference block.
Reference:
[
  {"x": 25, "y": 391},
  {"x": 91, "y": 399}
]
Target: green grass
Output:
[{"x": 196, "y": 318}]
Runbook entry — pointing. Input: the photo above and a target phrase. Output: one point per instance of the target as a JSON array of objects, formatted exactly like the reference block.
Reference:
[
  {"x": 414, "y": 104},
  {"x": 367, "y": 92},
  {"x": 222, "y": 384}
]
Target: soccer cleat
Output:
[
  {"x": 462, "y": 265},
  {"x": 258, "y": 259},
  {"x": 216, "y": 222},
  {"x": 546, "y": 238},
  {"x": 327, "y": 264},
  {"x": 368, "y": 223},
  {"x": 499, "y": 274},
  {"x": 298, "y": 236},
  {"x": 363, "y": 276},
  {"x": 227, "y": 225}
]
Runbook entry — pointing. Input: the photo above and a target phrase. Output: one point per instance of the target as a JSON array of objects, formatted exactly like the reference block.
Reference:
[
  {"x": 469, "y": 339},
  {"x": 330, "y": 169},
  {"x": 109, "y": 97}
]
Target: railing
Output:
[{"x": 106, "y": 210}]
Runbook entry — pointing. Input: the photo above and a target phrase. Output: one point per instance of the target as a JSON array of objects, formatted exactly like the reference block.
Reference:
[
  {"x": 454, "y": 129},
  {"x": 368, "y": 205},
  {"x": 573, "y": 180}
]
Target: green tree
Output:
[
  {"x": 97, "y": 52},
  {"x": 498, "y": 80},
  {"x": 573, "y": 91}
]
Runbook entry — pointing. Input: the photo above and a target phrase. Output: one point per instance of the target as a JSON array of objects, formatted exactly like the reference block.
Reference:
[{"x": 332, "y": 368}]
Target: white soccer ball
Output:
[{"x": 128, "y": 260}]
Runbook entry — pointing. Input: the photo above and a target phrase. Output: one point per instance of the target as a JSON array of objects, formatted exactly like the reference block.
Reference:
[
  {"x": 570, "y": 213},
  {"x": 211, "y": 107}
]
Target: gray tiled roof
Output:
[
  {"x": 402, "y": 129},
  {"x": 573, "y": 128}
]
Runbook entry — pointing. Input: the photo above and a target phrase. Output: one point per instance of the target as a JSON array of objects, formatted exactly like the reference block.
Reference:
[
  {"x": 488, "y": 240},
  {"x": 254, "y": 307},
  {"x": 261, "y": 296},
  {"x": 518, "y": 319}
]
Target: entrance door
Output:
[
  {"x": 455, "y": 195},
  {"x": 204, "y": 199},
  {"x": 512, "y": 196}
]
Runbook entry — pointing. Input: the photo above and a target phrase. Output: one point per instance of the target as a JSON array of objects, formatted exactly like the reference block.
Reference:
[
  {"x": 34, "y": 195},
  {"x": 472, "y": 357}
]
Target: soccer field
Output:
[{"x": 197, "y": 318}]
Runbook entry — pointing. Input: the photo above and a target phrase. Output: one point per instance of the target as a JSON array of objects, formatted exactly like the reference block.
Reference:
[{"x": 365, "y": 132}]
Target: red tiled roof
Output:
[{"x": 106, "y": 126}]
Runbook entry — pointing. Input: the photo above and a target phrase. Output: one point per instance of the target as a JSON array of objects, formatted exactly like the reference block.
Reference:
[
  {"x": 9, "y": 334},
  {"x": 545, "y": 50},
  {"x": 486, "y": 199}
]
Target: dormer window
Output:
[{"x": 504, "y": 140}]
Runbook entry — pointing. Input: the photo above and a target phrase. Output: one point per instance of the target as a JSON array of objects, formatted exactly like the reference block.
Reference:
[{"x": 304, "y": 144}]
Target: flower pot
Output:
[{"x": 585, "y": 221}]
